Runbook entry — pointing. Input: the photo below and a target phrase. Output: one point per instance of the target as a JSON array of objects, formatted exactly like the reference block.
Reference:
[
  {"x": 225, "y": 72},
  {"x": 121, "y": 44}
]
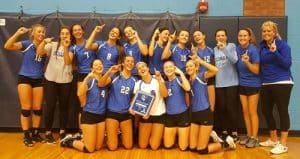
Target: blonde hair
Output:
[
  {"x": 273, "y": 25},
  {"x": 33, "y": 27}
]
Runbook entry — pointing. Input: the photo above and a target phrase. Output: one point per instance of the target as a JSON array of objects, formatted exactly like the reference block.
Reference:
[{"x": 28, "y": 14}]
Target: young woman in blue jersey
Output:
[
  {"x": 110, "y": 51},
  {"x": 178, "y": 52},
  {"x": 58, "y": 81},
  {"x": 30, "y": 88},
  {"x": 134, "y": 46},
  {"x": 93, "y": 115},
  {"x": 226, "y": 85},
  {"x": 202, "y": 117},
  {"x": 277, "y": 84},
  {"x": 121, "y": 91},
  {"x": 151, "y": 127},
  {"x": 83, "y": 58},
  {"x": 206, "y": 53},
  {"x": 158, "y": 42},
  {"x": 249, "y": 83},
  {"x": 177, "y": 121}
]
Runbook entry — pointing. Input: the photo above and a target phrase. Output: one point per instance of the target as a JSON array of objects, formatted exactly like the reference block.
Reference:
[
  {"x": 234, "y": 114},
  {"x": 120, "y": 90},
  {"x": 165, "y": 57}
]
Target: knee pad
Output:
[
  {"x": 37, "y": 112},
  {"x": 85, "y": 150},
  {"x": 25, "y": 113},
  {"x": 203, "y": 151}
]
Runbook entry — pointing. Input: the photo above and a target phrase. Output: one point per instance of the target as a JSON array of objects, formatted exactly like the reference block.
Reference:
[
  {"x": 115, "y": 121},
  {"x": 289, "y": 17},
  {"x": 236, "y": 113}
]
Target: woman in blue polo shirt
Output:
[{"x": 30, "y": 88}]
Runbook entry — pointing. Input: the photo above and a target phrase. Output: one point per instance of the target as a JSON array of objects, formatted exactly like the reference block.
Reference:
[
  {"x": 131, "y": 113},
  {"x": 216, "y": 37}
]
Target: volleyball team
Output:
[{"x": 195, "y": 87}]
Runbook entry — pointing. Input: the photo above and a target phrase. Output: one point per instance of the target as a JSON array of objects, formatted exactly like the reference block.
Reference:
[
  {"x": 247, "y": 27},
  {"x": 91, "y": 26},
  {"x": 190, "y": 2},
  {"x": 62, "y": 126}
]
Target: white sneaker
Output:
[
  {"x": 68, "y": 136},
  {"x": 229, "y": 140},
  {"x": 268, "y": 143},
  {"x": 279, "y": 149},
  {"x": 215, "y": 137}
]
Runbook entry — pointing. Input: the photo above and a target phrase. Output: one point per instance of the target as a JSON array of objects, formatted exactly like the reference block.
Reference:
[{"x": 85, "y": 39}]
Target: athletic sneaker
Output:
[
  {"x": 230, "y": 141},
  {"x": 37, "y": 138},
  {"x": 279, "y": 149},
  {"x": 236, "y": 138},
  {"x": 69, "y": 136},
  {"x": 78, "y": 136},
  {"x": 215, "y": 137},
  {"x": 269, "y": 143},
  {"x": 253, "y": 142},
  {"x": 50, "y": 139},
  {"x": 28, "y": 142},
  {"x": 67, "y": 141},
  {"x": 245, "y": 140}
]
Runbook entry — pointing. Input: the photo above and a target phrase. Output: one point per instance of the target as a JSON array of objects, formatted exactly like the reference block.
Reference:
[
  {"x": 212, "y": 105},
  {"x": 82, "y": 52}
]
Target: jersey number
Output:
[
  {"x": 38, "y": 58},
  {"x": 108, "y": 57},
  {"x": 124, "y": 90},
  {"x": 87, "y": 54},
  {"x": 170, "y": 92},
  {"x": 103, "y": 93}
]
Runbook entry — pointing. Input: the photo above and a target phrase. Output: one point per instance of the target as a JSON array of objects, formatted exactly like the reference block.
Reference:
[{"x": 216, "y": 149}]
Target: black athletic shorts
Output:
[
  {"x": 178, "y": 120},
  {"x": 32, "y": 82}
]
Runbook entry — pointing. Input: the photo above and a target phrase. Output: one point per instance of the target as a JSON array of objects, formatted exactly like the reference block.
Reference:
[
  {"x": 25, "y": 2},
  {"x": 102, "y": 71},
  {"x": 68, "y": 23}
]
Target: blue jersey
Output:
[
  {"x": 207, "y": 55},
  {"x": 199, "y": 94},
  {"x": 96, "y": 98},
  {"x": 180, "y": 56},
  {"x": 121, "y": 91},
  {"x": 108, "y": 55},
  {"x": 134, "y": 51},
  {"x": 84, "y": 58},
  {"x": 175, "y": 101},
  {"x": 33, "y": 64},
  {"x": 155, "y": 61},
  {"x": 275, "y": 67},
  {"x": 246, "y": 77}
]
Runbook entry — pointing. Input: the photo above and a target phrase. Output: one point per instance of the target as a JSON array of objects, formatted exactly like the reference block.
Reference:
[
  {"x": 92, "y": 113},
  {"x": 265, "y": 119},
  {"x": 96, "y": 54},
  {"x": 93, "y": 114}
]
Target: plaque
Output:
[{"x": 142, "y": 102}]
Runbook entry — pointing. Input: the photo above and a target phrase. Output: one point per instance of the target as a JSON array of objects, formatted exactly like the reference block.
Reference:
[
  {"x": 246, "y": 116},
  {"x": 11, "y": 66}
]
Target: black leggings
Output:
[
  {"x": 56, "y": 92},
  {"x": 227, "y": 108},
  {"x": 279, "y": 95}
]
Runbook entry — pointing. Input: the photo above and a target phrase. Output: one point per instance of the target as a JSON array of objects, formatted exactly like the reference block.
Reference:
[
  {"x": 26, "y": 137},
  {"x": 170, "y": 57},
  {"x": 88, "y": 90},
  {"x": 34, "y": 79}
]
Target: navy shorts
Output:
[
  {"x": 32, "y": 82},
  {"x": 178, "y": 120},
  {"x": 203, "y": 117},
  {"x": 154, "y": 119},
  {"x": 118, "y": 116},
  {"x": 91, "y": 118},
  {"x": 81, "y": 76},
  {"x": 248, "y": 91}
]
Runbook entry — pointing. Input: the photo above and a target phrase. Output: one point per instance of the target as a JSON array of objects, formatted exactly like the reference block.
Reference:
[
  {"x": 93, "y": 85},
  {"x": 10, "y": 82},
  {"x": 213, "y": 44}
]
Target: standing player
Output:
[
  {"x": 158, "y": 42},
  {"x": 30, "y": 88},
  {"x": 249, "y": 84},
  {"x": 178, "y": 53},
  {"x": 110, "y": 51}
]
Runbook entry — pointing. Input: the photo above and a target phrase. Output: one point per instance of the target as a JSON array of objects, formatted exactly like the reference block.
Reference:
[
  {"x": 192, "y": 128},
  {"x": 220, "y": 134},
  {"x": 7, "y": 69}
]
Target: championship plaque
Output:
[{"x": 142, "y": 102}]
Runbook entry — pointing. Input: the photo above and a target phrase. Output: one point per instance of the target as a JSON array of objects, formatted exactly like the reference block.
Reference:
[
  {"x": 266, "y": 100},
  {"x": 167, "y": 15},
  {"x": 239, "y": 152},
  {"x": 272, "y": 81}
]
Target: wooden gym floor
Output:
[{"x": 11, "y": 147}]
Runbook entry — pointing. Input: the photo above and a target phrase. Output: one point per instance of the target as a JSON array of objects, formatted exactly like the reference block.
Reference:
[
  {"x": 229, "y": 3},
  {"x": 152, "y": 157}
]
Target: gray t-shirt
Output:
[{"x": 57, "y": 71}]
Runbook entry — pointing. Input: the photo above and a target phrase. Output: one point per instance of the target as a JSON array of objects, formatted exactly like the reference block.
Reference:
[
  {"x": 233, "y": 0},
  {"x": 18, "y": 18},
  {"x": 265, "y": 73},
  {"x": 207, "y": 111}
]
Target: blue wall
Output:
[{"x": 216, "y": 8}]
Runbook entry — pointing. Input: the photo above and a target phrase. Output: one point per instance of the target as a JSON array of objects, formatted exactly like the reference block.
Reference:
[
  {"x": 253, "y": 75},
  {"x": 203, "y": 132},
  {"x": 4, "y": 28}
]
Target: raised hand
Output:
[
  {"x": 66, "y": 42},
  {"x": 99, "y": 28},
  {"x": 221, "y": 45},
  {"x": 23, "y": 30},
  {"x": 157, "y": 74},
  {"x": 178, "y": 71},
  {"x": 172, "y": 37},
  {"x": 273, "y": 46},
  {"x": 48, "y": 40},
  {"x": 115, "y": 68},
  {"x": 194, "y": 49},
  {"x": 156, "y": 32},
  {"x": 245, "y": 57}
]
